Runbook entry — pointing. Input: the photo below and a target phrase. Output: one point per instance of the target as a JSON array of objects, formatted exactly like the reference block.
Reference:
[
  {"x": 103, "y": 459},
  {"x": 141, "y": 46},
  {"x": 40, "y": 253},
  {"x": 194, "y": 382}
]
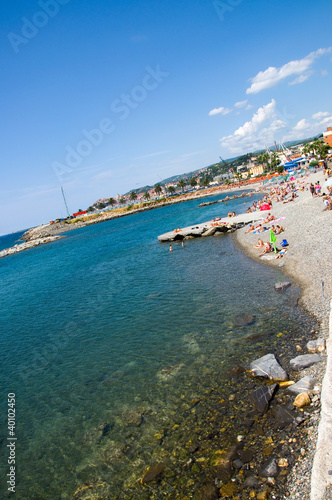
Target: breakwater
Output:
[{"x": 210, "y": 228}]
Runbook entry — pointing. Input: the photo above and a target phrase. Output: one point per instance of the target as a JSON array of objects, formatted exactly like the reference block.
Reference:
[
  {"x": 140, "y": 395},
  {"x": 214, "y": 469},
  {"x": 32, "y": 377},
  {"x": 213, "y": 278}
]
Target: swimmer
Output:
[{"x": 170, "y": 248}]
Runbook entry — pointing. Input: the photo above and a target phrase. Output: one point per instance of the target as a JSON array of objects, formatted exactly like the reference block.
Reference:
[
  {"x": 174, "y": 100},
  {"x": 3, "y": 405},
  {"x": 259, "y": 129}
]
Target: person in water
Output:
[{"x": 170, "y": 248}]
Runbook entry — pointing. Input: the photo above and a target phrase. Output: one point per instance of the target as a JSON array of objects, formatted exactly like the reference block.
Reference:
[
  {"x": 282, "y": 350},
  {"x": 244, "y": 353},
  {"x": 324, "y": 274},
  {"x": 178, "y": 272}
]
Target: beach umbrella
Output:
[
  {"x": 265, "y": 206},
  {"x": 328, "y": 183},
  {"x": 273, "y": 240}
]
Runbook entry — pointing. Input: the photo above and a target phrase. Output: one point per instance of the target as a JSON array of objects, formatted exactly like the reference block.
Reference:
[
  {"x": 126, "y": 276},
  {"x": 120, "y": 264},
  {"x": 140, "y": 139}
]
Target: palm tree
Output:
[
  {"x": 171, "y": 189},
  {"x": 181, "y": 184},
  {"x": 146, "y": 195},
  {"x": 206, "y": 181},
  {"x": 133, "y": 196},
  {"x": 158, "y": 189},
  {"x": 193, "y": 182},
  {"x": 264, "y": 159},
  {"x": 111, "y": 201},
  {"x": 122, "y": 200},
  {"x": 275, "y": 160}
]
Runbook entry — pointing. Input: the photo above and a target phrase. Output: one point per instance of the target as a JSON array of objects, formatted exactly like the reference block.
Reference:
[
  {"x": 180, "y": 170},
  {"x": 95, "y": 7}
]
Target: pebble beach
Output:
[{"x": 308, "y": 262}]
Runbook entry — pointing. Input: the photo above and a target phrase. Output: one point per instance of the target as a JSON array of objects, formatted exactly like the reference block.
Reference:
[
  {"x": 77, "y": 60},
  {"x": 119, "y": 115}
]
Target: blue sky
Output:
[{"x": 105, "y": 96}]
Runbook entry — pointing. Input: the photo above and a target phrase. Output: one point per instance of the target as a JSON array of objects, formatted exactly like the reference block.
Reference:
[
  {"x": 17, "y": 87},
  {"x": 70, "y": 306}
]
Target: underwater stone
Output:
[
  {"x": 207, "y": 492},
  {"x": 153, "y": 473},
  {"x": 280, "y": 287},
  {"x": 284, "y": 417},
  {"x": 270, "y": 469},
  {"x": 262, "y": 396},
  {"x": 244, "y": 320}
]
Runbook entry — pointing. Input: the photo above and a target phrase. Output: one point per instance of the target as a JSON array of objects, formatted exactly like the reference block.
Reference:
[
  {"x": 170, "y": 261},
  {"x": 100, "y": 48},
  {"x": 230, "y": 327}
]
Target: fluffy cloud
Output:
[
  {"x": 272, "y": 76},
  {"x": 256, "y": 133},
  {"x": 309, "y": 128},
  {"x": 301, "y": 78},
  {"x": 240, "y": 104},
  {"x": 302, "y": 125},
  {"x": 320, "y": 115},
  {"x": 219, "y": 111}
]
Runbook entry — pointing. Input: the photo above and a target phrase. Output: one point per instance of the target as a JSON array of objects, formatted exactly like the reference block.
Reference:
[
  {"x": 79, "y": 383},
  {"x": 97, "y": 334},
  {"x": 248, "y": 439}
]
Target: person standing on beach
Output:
[{"x": 312, "y": 189}]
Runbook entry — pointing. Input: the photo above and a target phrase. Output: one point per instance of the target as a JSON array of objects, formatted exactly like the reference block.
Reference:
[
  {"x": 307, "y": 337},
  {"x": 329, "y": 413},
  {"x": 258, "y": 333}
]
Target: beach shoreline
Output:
[
  {"x": 46, "y": 233},
  {"x": 308, "y": 262}
]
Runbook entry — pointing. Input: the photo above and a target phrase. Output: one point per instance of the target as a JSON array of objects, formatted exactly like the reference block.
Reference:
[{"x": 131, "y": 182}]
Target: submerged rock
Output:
[
  {"x": 304, "y": 361},
  {"x": 268, "y": 367},
  {"x": 244, "y": 320},
  {"x": 284, "y": 417},
  {"x": 207, "y": 492},
  {"x": 153, "y": 473},
  {"x": 281, "y": 286},
  {"x": 133, "y": 418},
  {"x": 261, "y": 397},
  {"x": 270, "y": 469},
  {"x": 228, "y": 490}
]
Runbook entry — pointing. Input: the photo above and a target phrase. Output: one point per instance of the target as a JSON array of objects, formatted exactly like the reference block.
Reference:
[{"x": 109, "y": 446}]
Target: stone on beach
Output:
[
  {"x": 268, "y": 367},
  {"x": 306, "y": 384},
  {"x": 302, "y": 399},
  {"x": 304, "y": 361},
  {"x": 314, "y": 346}
]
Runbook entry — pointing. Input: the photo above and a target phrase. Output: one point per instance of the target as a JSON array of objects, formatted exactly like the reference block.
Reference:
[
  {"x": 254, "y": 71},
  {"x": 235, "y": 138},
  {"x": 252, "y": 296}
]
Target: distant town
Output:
[{"x": 249, "y": 167}]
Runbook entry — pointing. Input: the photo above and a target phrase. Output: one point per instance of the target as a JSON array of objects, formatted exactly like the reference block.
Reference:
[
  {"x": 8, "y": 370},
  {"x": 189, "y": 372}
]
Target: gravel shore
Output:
[{"x": 308, "y": 262}]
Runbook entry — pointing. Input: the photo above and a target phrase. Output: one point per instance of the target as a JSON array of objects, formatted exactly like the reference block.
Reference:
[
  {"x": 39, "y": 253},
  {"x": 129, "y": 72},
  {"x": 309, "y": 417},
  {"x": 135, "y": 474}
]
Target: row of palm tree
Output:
[
  {"x": 205, "y": 181},
  {"x": 317, "y": 148}
]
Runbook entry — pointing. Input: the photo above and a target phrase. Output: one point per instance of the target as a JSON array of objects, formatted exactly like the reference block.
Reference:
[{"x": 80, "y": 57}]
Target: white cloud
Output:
[
  {"x": 326, "y": 121},
  {"x": 272, "y": 76},
  {"x": 151, "y": 155},
  {"x": 219, "y": 111},
  {"x": 240, "y": 104},
  {"x": 250, "y": 106},
  {"x": 301, "y": 78},
  {"x": 320, "y": 115},
  {"x": 302, "y": 125},
  {"x": 306, "y": 128},
  {"x": 256, "y": 133}
]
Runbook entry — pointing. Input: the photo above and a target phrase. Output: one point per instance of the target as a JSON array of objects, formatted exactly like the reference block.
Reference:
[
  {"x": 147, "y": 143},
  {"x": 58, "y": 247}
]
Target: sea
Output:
[{"x": 117, "y": 354}]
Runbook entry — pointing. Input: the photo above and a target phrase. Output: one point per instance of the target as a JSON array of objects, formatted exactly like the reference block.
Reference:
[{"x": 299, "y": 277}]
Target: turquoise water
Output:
[{"x": 106, "y": 337}]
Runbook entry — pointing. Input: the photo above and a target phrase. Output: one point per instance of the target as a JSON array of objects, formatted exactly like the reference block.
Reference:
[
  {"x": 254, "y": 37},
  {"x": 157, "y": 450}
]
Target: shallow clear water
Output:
[{"x": 108, "y": 328}]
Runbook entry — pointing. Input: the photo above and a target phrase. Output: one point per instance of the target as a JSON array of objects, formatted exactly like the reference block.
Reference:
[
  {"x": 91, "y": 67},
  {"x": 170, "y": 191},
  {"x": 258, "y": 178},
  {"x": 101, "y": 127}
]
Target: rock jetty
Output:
[
  {"x": 225, "y": 225},
  {"x": 28, "y": 244}
]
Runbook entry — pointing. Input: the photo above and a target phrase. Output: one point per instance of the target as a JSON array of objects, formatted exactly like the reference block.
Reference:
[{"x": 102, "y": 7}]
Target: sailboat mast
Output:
[{"x": 64, "y": 199}]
